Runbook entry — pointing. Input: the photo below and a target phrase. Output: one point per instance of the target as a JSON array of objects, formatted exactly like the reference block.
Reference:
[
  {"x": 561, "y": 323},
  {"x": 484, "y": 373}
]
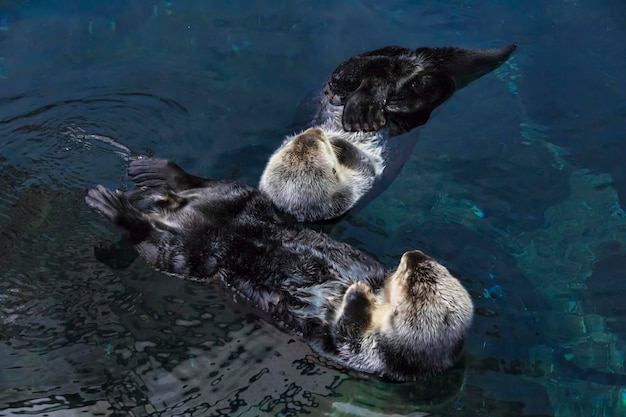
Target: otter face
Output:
[
  {"x": 413, "y": 328},
  {"x": 423, "y": 316},
  {"x": 306, "y": 179},
  {"x": 423, "y": 296},
  {"x": 413, "y": 283}
]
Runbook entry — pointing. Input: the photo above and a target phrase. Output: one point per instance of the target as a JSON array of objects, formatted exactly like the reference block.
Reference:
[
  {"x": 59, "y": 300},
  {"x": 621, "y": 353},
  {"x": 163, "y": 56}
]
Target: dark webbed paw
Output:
[
  {"x": 356, "y": 311},
  {"x": 114, "y": 205},
  {"x": 364, "y": 112},
  {"x": 154, "y": 172},
  {"x": 104, "y": 201}
]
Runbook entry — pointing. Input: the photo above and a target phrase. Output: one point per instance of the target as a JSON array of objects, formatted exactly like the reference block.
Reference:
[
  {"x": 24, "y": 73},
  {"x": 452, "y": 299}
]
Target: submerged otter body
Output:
[
  {"x": 403, "y": 325},
  {"x": 322, "y": 172}
]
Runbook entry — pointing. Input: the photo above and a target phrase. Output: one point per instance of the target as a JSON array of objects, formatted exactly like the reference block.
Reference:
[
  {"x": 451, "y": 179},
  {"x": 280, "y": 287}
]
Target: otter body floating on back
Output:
[
  {"x": 323, "y": 172},
  {"x": 403, "y": 325}
]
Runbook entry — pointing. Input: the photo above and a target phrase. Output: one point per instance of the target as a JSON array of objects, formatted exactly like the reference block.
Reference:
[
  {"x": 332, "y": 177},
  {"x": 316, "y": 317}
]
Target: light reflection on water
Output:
[{"x": 84, "y": 86}]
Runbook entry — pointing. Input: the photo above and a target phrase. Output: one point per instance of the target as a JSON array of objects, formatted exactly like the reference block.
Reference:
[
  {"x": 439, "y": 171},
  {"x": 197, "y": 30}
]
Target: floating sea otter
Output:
[
  {"x": 323, "y": 172},
  {"x": 402, "y": 325},
  {"x": 332, "y": 167}
]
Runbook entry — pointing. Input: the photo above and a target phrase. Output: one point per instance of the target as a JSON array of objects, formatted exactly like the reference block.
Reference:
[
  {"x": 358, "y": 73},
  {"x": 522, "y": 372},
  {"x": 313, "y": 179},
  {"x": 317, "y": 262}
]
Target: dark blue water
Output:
[{"x": 516, "y": 184}]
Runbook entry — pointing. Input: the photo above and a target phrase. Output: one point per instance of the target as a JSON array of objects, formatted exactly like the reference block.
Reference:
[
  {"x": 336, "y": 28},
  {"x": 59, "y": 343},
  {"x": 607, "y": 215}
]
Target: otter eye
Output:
[{"x": 334, "y": 171}]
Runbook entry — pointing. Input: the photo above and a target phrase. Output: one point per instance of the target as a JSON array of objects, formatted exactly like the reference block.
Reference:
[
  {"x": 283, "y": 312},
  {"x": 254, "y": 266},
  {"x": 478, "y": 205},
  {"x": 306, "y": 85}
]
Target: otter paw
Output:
[
  {"x": 153, "y": 172},
  {"x": 359, "y": 297},
  {"x": 363, "y": 112},
  {"x": 358, "y": 289},
  {"x": 104, "y": 201},
  {"x": 356, "y": 311}
]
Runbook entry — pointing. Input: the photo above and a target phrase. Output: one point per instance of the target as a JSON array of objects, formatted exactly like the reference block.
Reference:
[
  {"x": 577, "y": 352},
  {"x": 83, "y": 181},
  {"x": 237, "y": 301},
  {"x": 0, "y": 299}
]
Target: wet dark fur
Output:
[
  {"x": 401, "y": 86},
  {"x": 324, "y": 290}
]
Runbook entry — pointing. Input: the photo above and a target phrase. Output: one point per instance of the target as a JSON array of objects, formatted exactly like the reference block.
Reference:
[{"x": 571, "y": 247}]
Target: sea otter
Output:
[
  {"x": 404, "y": 325},
  {"x": 322, "y": 172}
]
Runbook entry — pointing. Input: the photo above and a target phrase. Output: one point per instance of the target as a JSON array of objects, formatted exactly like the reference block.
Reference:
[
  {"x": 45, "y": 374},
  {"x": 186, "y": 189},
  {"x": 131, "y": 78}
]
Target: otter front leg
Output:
[
  {"x": 411, "y": 105},
  {"x": 156, "y": 172},
  {"x": 355, "y": 314},
  {"x": 365, "y": 108}
]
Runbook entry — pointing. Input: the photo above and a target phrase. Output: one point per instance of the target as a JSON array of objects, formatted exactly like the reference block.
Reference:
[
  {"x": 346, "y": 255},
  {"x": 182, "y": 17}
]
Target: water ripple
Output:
[{"x": 63, "y": 127}]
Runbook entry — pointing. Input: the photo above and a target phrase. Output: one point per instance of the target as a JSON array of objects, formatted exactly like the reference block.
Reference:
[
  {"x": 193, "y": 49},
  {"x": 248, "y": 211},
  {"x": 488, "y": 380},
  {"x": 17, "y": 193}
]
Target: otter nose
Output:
[
  {"x": 308, "y": 141},
  {"x": 415, "y": 257}
]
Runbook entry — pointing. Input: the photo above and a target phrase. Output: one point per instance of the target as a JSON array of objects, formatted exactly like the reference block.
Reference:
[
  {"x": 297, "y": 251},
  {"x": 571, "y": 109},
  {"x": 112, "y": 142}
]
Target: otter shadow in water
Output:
[
  {"x": 324, "y": 171},
  {"x": 404, "y": 325}
]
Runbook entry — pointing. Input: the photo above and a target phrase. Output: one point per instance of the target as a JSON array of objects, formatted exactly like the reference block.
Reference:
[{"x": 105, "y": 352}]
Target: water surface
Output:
[{"x": 515, "y": 184}]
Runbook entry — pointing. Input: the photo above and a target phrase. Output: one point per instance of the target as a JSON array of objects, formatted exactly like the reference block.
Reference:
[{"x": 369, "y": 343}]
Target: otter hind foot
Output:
[
  {"x": 154, "y": 172},
  {"x": 119, "y": 211},
  {"x": 157, "y": 172},
  {"x": 105, "y": 202}
]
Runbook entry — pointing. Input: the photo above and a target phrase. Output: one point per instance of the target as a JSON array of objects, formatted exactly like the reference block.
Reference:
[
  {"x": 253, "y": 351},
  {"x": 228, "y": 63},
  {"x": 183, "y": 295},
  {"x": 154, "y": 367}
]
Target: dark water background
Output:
[{"x": 515, "y": 184}]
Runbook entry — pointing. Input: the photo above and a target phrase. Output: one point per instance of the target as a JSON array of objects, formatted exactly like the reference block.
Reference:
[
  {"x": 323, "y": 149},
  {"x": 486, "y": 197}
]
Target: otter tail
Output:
[
  {"x": 116, "y": 207},
  {"x": 466, "y": 65}
]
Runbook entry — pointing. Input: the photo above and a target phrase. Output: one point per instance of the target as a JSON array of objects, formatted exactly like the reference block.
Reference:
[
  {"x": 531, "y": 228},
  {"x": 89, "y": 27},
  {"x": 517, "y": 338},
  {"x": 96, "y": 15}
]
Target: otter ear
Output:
[{"x": 466, "y": 65}]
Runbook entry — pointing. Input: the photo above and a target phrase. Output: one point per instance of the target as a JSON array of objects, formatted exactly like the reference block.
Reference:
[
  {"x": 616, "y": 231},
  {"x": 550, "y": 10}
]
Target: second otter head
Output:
[
  {"x": 306, "y": 179},
  {"x": 425, "y": 316},
  {"x": 426, "y": 295}
]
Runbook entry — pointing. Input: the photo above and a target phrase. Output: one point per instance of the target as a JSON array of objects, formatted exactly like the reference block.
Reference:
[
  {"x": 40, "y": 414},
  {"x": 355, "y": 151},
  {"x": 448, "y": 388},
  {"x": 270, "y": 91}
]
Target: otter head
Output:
[
  {"x": 424, "y": 316},
  {"x": 306, "y": 179}
]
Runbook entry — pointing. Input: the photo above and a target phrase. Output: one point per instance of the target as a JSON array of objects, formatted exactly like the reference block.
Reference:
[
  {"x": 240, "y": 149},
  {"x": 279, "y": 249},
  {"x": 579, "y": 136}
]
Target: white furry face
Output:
[
  {"x": 311, "y": 150},
  {"x": 312, "y": 179},
  {"x": 305, "y": 178},
  {"x": 423, "y": 302}
]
